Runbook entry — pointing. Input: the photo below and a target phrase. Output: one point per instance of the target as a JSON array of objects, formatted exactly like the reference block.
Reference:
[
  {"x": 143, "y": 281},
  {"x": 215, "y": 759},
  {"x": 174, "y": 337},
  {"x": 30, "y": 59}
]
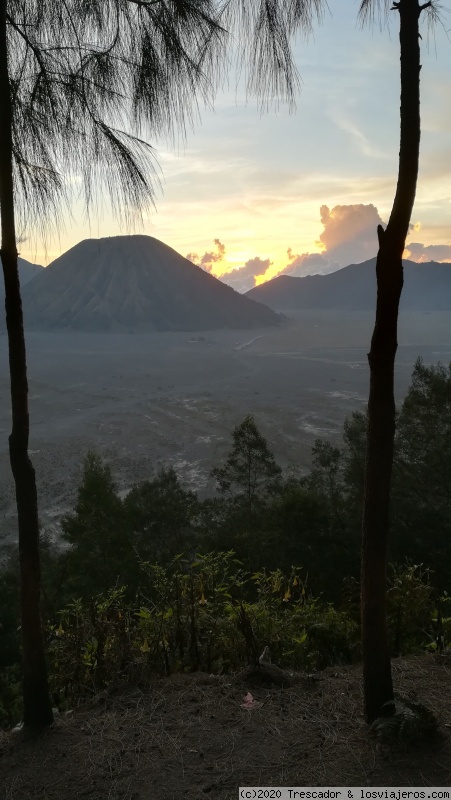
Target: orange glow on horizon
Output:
[
  {"x": 226, "y": 267},
  {"x": 259, "y": 279}
]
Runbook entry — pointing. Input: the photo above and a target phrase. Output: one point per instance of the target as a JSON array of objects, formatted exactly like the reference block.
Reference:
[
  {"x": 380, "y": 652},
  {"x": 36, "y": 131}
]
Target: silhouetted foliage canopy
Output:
[{"x": 94, "y": 81}]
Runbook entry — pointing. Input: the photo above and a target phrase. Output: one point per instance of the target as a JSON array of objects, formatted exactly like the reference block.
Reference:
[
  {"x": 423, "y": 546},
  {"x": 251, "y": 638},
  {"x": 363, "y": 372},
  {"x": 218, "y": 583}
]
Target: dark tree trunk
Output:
[
  {"x": 378, "y": 687},
  {"x": 37, "y": 706}
]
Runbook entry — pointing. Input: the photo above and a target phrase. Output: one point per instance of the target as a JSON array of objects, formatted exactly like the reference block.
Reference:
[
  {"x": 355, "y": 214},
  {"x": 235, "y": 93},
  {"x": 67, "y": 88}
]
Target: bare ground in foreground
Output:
[{"x": 189, "y": 737}]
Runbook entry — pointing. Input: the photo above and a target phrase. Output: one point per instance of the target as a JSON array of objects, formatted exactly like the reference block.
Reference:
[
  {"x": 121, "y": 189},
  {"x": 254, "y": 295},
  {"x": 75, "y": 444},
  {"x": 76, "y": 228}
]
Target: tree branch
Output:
[
  {"x": 35, "y": 49},
  {"x": 145, "y": 3}
]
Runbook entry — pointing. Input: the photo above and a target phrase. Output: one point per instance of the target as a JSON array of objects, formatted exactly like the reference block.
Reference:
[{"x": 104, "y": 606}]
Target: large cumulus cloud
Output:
[
  {"x": 349, "y": 234},
  {"x": 349, "y": 237}
]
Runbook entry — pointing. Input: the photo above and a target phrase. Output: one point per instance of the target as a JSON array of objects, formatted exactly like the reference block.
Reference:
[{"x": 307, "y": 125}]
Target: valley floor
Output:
[{"x": 173, "y": 399}]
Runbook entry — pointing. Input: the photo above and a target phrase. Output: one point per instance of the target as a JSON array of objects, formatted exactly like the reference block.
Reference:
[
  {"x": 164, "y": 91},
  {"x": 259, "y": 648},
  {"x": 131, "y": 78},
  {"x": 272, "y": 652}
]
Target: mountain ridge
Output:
[{"x": 427, "y": 287}]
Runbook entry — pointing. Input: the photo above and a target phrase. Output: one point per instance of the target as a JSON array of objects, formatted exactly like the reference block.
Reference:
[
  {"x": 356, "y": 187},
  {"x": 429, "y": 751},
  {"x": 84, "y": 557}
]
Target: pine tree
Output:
[{"x": 250, "y": 473}]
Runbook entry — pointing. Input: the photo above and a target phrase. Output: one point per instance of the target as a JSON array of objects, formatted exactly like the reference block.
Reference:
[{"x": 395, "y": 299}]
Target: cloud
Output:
[
  {"x": 349, "y": 237},
  {"x": 208, "y": 260},
  {"x": 244, "y": 278},
  {"x": 416, "y": 251},
  {"x": 349, "y": 234},
  {"x": 308, "y": 264},
  {"x": 362, "y": 141}
]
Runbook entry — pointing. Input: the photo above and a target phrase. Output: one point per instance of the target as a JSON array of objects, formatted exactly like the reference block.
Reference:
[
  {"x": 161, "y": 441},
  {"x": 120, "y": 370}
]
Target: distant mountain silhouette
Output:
[
  {"x": 427, "y": 287},
  {"x": 27, "y": 271},
  {"x": 134, "y": 283}
]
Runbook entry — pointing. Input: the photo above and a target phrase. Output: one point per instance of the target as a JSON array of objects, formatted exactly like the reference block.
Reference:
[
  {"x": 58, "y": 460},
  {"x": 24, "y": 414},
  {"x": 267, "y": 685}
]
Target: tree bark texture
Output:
[
  {"x": 378, "y": 687},
  {"x": 37, "y": 706}
]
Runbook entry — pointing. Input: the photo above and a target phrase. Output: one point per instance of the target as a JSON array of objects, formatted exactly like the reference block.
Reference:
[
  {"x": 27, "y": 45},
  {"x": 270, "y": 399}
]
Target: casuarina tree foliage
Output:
[{"x": 83, "y": 85}]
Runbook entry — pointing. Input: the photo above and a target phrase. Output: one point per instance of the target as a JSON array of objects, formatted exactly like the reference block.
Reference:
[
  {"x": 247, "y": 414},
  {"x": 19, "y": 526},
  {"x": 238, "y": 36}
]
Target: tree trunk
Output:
[
  {"x": 37, "y": 706},
  {"x": 378, "y": 687}
]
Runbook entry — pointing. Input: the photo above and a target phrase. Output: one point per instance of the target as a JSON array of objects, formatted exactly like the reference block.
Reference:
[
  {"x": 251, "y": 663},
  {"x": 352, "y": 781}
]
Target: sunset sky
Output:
[{"x": 301, "y": 192}]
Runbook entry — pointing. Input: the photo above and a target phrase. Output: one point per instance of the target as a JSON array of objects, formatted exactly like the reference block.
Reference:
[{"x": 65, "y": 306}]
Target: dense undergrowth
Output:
[{"x": 160, "y": 582}]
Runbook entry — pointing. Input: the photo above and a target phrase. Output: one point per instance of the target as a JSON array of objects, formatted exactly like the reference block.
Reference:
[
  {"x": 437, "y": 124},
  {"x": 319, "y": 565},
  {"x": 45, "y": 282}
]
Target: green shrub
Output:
[
  {"x": 10, "y": 697},
  {"x": 410, "y": 607},
  {"x": 189, "y": 616}
]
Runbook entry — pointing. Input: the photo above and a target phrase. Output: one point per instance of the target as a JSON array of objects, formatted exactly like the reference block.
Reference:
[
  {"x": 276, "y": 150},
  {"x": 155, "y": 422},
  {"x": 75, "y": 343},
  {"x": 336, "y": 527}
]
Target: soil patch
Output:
[{"x": 188, "y": 736}]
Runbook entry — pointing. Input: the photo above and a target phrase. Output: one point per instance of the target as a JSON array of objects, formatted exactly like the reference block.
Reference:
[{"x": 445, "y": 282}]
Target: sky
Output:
[{"x": 249, "y": 196}]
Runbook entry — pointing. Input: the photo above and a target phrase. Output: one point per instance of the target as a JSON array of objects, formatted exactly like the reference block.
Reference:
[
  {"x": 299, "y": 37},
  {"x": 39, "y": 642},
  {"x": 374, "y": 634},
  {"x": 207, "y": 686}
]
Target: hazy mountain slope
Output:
[
  {"x": 27, "y": 271},
  {"x": 427, "y": 287},
  {"x": 134, "y": 283}
]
